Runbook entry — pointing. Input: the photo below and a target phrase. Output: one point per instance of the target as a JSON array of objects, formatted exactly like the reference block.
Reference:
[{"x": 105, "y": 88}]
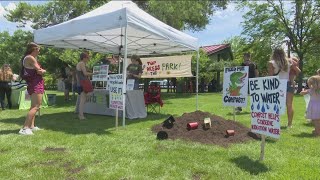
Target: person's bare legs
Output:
[
  {"x": 316, "y": 123},
  {"x": 83, "y": 97},
  {"x": 289, "y": 102},
  {"x": 36, "y": 100},
  {"x": 66, "y": 98}
]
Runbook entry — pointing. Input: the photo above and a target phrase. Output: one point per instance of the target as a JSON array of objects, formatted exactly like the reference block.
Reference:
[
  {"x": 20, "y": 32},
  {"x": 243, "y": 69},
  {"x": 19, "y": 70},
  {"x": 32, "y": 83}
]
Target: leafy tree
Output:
[
  {"x": 193, "y": 15},
  {"x": 274, "y": 20},
  {"x": 12, "y": 48},
  {"x": 260, "y": 52}
]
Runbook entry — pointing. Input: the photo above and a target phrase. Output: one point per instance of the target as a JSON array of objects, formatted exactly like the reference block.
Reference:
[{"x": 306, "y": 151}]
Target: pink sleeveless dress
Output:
[
  {"x": 34, "y": 81},
  {"x": 313, "y": 110}
]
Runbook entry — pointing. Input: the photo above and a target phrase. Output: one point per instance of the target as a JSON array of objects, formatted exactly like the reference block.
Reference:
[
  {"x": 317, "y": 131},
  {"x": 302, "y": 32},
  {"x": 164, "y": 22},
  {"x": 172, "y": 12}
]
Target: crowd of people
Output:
[{"x": 32, "y": 72}]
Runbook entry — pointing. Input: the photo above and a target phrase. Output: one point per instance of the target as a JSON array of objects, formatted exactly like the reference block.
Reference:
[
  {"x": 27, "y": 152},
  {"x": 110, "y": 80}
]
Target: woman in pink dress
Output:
[
  {"x": 313, "y": 110},
  {"x": 32, "y": 73}
]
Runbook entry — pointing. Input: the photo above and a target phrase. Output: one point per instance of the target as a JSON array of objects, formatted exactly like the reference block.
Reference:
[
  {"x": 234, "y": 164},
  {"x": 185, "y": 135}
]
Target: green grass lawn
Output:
[{"x": 94, "y": 149}]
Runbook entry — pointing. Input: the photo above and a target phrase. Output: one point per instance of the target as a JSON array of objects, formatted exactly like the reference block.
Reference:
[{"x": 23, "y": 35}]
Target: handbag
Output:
[{"x": 86, "y": 85}]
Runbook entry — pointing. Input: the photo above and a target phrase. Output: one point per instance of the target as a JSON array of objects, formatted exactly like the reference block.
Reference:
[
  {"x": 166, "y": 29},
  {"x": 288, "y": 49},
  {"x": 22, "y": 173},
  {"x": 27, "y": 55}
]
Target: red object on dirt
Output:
[
  {"x": 192, "y": 125},
  {"x": 230, "y": 132}
]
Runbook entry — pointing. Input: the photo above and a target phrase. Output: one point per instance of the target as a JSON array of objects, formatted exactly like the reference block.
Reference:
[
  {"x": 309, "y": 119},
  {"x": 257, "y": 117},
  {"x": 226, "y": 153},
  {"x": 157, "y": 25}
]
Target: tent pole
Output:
[
  {"x": 124, "y": 72},
  {"x": 197, "y": 79}
]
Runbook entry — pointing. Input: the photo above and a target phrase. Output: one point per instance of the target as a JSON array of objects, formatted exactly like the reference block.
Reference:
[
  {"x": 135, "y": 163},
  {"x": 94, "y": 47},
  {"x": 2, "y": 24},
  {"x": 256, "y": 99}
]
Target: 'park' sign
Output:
[
  {"x": 267, "y": 96},
  {"x": 165, "y": 67}
]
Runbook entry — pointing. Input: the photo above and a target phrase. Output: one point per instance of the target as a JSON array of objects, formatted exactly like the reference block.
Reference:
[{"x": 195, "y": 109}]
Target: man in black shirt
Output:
[{"x": 253, "y": 70}]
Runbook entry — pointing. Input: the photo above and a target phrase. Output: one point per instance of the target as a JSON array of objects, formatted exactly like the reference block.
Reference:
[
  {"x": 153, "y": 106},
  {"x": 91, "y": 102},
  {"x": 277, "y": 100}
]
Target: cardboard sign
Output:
[
  {"x": 165, "y": 67},
  {"x": 268, "y": 101},
  {"x": 115, "y": 91},
  {"x": 235, "y": 86}
]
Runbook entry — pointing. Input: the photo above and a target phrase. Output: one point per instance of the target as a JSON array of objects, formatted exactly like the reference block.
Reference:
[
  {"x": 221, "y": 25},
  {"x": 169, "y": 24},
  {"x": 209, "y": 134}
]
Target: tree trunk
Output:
[{"x": 300, "y": 76}]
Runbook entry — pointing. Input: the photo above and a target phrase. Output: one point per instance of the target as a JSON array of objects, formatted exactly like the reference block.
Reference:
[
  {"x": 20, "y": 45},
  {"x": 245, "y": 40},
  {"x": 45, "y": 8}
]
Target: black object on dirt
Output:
[
  {"x": 168, "y": 123},
  {"x": 162, "y": 135}
]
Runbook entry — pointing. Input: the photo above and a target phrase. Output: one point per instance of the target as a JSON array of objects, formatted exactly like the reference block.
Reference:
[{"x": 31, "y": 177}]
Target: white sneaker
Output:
[
  {"x": 36, "y": 128},
  {"x": 25, "y": 131}
]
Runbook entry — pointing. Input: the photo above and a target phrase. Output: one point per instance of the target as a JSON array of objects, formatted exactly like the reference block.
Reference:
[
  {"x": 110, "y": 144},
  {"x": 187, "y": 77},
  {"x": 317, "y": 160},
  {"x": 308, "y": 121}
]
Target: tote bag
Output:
[{"x": 86, "y": 85}]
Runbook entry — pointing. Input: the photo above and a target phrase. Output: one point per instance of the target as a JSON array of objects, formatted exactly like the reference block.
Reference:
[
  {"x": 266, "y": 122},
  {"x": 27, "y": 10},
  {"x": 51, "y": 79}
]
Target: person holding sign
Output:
[
  {"x": 135, "y": 70},
  {"x": 280, "y": 65},
  {"x": 313, "y": 110},
  {"x": 82, "y": 74}
]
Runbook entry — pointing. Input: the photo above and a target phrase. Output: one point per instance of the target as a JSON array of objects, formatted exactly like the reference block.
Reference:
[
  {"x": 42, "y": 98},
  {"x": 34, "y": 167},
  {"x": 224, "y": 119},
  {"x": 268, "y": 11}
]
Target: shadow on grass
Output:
[
  {"x": 304, "y": 135},
  {"x": 249, "y": 165},
  {"x": 308, "y": 124},
  {"x": 165, "y": 96},
  {"x": 69, "y": 123},
  {"x": 3, "y": 132},
  {"x": 239, "y": 114}
]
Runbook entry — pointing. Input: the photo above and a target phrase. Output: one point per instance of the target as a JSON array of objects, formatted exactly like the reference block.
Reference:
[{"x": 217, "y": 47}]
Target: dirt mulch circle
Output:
[{"x": 214, "y": 135}]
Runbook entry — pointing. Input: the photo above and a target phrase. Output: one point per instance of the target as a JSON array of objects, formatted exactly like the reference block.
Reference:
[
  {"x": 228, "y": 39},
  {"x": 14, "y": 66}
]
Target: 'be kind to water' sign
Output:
[{"x": 267, "y": 96}]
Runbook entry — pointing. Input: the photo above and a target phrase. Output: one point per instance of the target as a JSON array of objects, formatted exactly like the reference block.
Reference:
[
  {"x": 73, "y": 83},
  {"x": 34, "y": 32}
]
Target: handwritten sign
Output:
[
  {"x": 169, "y": 66},
  {"x": 115, "y": 91},
  {"x": 235, "y": 86},
  {"x": 267, "y": 97},
  {"x": 101, "y": 73}
]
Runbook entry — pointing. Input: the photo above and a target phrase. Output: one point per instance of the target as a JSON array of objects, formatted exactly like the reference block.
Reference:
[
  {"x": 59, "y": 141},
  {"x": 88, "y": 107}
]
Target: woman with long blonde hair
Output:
[
  {"x": 280, "y": 65},
  {"x": 6, "y": 76}
]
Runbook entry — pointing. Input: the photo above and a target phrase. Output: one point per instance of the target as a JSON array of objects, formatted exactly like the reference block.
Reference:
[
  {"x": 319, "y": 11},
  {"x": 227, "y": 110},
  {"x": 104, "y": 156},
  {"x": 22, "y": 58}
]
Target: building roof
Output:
[{"x": 215, "y": 48}]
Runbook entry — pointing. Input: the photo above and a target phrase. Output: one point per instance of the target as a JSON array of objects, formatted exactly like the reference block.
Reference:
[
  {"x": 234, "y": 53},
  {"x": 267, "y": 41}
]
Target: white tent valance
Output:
[{"x": 102, "y": 30}]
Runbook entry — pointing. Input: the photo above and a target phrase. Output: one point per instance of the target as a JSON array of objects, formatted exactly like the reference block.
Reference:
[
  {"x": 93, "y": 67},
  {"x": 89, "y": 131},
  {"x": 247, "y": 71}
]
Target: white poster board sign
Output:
[
  {"x": 268, "y": 101},
  {"x": 100, "y": 73},
  {"x": 115, "y": 91},
  {"x": 235, "y": 86},
  {"x": 130, "y": 84}
]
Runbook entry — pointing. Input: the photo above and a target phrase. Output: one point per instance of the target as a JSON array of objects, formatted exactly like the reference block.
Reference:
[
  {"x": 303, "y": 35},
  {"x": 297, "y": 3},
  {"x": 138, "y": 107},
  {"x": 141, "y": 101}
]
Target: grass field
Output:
[{"x": 92, "y": 149}]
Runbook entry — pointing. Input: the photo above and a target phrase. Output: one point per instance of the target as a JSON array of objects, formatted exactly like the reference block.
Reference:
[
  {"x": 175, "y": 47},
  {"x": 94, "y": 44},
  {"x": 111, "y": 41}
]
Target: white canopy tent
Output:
[{"x": 118, "y": 27}]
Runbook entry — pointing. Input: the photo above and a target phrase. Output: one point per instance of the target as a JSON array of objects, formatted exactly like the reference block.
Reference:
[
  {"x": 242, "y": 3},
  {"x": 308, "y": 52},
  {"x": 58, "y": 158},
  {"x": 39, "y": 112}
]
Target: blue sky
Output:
[{"x": 224, "y": 24}]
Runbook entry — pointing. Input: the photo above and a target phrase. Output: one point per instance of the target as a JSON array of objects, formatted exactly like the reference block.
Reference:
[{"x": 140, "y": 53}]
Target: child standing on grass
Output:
[{"x": 313, "y": 110}]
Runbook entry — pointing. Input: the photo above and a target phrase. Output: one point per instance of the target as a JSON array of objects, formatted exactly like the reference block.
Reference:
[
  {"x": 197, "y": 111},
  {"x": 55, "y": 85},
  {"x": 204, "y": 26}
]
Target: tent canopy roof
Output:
[{"x": 103, "y": 30}]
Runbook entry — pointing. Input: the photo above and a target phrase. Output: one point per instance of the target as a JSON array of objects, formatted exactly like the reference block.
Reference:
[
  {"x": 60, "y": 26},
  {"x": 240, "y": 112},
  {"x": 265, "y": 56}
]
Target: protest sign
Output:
[
  {"x": 165, "y": 67},
  {"x": 235, "y": 86},
  {"x": 115, "y": 91},
  {"x": 267, "y": 97},
  {"x": 100, "y": 73}
]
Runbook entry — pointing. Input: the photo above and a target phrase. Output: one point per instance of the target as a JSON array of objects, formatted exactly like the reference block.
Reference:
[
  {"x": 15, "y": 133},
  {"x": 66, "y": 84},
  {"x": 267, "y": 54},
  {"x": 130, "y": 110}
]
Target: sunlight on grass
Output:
[{"x": 67, "y": 148}]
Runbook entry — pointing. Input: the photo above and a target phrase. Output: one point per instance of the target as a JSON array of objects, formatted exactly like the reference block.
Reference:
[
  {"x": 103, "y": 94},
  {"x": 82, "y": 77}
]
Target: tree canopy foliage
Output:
[
  {"x": 272, "y": 21},
  {"x": 191, "y": 15}
]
